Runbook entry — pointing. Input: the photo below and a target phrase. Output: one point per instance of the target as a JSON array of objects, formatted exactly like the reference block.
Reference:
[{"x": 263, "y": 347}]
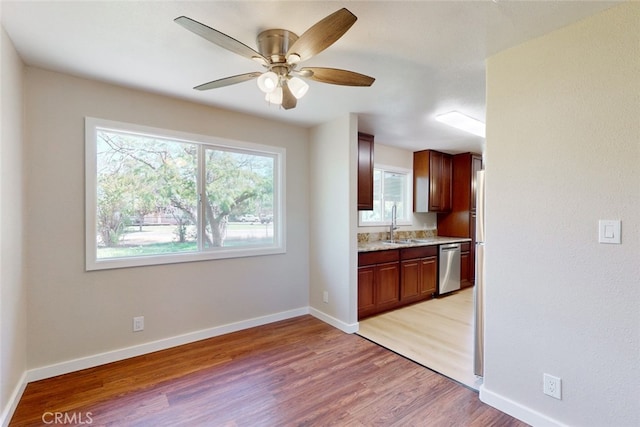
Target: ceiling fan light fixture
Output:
[
  {"x": 463, "y": 122},
  {"x": 275, "y": 96},
  {"x": 298, "y": 87},
  {"x": 293, "y": 58},
  {"x": 268, "y": 82}
]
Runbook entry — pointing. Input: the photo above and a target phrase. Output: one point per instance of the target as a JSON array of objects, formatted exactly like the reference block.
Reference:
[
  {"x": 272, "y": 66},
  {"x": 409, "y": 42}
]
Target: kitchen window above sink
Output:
[{"x": 390, "y": 186}]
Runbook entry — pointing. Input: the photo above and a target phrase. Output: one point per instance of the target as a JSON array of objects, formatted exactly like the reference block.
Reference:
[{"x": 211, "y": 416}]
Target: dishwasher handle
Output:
[{"x": 450, "y": 247}]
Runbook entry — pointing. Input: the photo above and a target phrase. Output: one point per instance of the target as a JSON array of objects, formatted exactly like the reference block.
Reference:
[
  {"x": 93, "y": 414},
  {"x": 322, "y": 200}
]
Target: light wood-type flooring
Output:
[
  {"x": 297, "y": 372},
  {"x": 437, "y": 334}
]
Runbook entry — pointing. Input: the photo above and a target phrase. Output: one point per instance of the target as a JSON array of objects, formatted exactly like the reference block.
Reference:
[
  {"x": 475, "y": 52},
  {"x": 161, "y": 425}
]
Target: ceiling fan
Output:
[{"x": 280, "y": 51}]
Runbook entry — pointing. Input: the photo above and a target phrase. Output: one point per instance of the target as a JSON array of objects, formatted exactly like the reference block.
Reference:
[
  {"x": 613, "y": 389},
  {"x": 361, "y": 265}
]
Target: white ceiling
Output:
[{"x": 427, "y": 56}]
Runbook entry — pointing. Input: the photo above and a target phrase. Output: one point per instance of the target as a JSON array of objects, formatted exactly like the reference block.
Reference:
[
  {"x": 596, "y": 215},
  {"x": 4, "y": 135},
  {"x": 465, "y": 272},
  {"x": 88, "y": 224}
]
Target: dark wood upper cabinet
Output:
[
  {"x": 432, "y": 177},
  {"x": 476, "y": 166},
  {"x": 365, "y": 172}
]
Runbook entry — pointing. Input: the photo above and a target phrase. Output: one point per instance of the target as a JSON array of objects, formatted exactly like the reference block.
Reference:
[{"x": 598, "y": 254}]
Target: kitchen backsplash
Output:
[{"x": 400, "y": 235}]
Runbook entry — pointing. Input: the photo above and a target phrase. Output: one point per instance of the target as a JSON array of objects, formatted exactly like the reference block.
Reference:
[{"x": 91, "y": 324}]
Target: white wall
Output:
[
  {"x": 73, "y": 313},
  {"x": 563, "y": 148},
  {"x": 13, "y": 308},
  {"x": 332, "y": 222}
]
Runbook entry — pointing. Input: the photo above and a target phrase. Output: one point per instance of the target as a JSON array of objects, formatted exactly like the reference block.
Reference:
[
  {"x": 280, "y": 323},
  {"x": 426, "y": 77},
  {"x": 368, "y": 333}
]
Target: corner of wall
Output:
[{"x": 13, "y": 306}]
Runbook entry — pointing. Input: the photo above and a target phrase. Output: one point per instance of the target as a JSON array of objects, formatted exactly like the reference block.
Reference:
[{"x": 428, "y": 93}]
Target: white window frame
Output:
[
  {"x": 92, "y": 125},
  {"x": 408, "y": 197}
]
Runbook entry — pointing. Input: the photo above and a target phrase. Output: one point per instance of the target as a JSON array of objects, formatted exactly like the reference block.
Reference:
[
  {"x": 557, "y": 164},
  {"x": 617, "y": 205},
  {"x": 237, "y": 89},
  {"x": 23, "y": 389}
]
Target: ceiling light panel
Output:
[{"x": 463, "y": 122}]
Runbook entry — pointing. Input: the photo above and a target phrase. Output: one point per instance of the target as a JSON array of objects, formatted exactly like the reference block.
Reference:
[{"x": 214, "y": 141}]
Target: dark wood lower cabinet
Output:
[
  {"x": 366, "y": 291},
  {"x": 378, "y": 288},
  {"x": 410, "y": 272},
  {"x": 429, "y": 277},
  {"x": 419, "y": 279},
  {"x": 418, "y": 273},
  {"x": 378, "y": 282},
  {"x": 393, "y": 278},
  {"x": 467, "y": 265},
  {"x": 387, "y": 285}
]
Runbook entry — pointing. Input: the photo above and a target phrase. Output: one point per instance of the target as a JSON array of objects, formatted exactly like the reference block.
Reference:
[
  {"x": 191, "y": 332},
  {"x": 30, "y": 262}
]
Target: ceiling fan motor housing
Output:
[{"x": 275, "y": 43}]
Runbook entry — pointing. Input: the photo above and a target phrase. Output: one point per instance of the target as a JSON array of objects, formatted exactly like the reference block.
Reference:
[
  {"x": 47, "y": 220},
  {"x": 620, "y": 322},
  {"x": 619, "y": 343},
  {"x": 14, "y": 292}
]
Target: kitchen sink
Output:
[{"x": 406, "y": 241}]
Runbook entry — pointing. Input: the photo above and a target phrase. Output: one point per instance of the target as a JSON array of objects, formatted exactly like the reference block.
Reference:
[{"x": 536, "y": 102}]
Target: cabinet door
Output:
[
  {"x": 464, "y": 269},
  {"x": 440, "y": 182},
  {"x": 428, "y": 276},
  {"x": 476, "y": 165},
  {"x": 365, "y": 172},
  {"x": 409, "y": 280},
  {"x": 445, "y": 183},
  {"x": 366, "y": 291},
  {"x": 387, "y": 278}
]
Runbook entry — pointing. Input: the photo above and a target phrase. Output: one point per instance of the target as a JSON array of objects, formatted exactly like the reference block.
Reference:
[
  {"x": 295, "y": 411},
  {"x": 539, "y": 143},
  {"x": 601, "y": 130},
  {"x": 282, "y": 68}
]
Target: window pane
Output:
[
  {"x": 146, "y": 195},
  {"x": 239, "y": 202},
  {"x": 377, "y": 184},
  {"x": 372, "y": 215},
  {"x": 389, "y": 188},
  {"x": 395, "y": 191},
  {"x": 375, "y": 215},
  {"x": 394, "y": 186}
]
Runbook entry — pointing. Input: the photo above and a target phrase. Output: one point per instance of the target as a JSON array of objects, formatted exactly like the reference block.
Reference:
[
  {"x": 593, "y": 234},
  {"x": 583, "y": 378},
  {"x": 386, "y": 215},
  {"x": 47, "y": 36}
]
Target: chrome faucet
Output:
[{"x": 394, "y": 220}]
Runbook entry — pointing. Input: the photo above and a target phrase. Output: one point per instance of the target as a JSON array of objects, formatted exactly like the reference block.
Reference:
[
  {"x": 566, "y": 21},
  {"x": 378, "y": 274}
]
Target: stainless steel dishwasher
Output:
[{"x": 449, "y": 276}]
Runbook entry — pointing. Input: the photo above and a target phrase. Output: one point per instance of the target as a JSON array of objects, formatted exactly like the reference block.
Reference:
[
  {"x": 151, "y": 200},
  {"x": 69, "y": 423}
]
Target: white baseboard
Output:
[
  {"x": 517, "y": 410},
  {"x": 344, "y": 327},
  {"x": 12, "y": 403},
  {"x": 138, "y": 350}
]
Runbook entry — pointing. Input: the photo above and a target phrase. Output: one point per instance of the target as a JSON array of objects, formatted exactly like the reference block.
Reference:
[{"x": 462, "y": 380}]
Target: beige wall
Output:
[
  {"x": 563, "y": 149},
  {"x": 73, "y": 313},
  {"x": 13, "y": 301}
]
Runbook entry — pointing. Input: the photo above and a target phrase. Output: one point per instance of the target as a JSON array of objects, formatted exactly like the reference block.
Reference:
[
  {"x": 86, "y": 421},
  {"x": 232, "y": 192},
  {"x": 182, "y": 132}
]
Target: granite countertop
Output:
[{"x": 380, "y": 245}]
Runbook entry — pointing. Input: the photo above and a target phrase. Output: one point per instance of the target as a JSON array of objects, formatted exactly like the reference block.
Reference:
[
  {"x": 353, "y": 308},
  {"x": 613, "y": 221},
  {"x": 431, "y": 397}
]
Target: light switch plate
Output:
[{"x": 609, "y": 231}]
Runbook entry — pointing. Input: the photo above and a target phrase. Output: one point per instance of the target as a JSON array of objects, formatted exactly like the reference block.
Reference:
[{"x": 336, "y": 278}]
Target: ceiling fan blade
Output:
[
  {"x": 323, "y": 34},
  {"x": 227, "y": 81},
  {"x": 289, "y": 101},
  {"x": 336, "y": 76},
  {"x": 220, "y": 39}
]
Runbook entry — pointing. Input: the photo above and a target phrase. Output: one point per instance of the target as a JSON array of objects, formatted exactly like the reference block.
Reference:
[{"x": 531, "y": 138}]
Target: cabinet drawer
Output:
[
  {"x": 464, "y": 247},
  {"x": 378, "y": 257},
  {"x": 418, "y": 252}
]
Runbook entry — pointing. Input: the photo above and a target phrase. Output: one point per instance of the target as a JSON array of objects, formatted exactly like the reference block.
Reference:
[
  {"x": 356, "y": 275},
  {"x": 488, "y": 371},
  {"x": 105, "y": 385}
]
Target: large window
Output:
[
  {"x": 156, "y": 196},
  {"x": 391, "y": 186}
]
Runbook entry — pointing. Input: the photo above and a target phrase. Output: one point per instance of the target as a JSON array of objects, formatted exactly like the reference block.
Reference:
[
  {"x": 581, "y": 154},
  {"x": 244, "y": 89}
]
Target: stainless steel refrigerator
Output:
[{"x": 478, "y": 292}]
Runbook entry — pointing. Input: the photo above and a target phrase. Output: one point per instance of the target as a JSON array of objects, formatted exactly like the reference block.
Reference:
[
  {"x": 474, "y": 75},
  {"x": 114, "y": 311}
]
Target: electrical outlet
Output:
[
  {"x": 552, "y": 386},
  {"x": 325, "y": 297},
  {"x": 138, "y": 324}
]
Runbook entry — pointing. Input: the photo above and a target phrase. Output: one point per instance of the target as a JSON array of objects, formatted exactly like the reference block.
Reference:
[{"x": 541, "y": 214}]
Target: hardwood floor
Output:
[
  {"x": 437, "y": 333},
  {"x": 296, "y": 372}
]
